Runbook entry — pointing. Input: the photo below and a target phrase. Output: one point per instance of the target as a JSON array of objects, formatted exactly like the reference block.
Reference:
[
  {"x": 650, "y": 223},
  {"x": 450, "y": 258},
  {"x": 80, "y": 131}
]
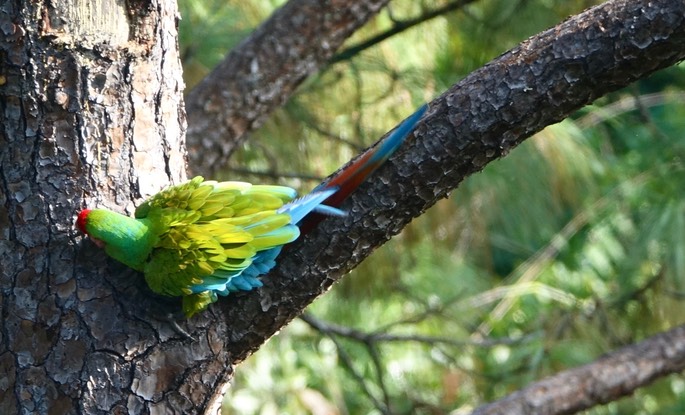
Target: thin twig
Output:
[
  {"x": 629, "y": 103},
  {"x": 315, "y": 126},
  {"x": 399, "y": 27},
  {"x": 347, "y": 364},
  {"x": 373, "y": 337}
]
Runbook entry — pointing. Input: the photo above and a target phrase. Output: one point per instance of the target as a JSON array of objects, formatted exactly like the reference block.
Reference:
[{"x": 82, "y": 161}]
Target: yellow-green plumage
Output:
[
  {"x": 192, "y": 238},
  {"x": 205, "y": 227}
]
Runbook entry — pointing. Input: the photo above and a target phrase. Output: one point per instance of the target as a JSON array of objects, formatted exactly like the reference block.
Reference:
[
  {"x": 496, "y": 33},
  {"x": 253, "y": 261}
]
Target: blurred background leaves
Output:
[{"x": 567, "y": 248}]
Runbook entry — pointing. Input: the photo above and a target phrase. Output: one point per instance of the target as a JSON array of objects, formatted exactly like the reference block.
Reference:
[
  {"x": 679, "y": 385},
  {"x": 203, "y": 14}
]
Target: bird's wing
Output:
[{"x": 209, "y": 233}]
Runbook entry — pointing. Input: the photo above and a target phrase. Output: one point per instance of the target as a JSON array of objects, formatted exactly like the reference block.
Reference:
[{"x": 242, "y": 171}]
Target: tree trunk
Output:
[{"x": 92, "y": 115}]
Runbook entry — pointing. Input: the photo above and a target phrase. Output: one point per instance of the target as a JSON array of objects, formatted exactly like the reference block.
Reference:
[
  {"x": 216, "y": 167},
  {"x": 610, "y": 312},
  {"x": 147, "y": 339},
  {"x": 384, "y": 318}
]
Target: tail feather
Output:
[
  {"x": 355, "y": 173},
  {"x": 329, "y": 211},
  {"x": 302, "y": 206}
]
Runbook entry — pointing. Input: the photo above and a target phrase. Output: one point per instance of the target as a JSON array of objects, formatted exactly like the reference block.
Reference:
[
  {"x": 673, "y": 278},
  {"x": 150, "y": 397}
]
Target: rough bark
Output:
[
  {"x": 91, "y": 108},
  {"x": 88, "y": 123},
  {"x": 480, "y": 119},
  {"x": 605, "y": 380},
  {"x": 263, "y": 71}
]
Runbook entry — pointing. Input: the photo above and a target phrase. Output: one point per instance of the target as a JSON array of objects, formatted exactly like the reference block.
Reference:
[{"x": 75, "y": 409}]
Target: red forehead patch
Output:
[{"x": 81, "y": 220}]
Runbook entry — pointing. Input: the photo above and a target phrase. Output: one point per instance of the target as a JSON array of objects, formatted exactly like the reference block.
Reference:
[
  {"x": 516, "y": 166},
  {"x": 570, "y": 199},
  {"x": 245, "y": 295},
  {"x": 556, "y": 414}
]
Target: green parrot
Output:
[{"x": 204, "y": 238}]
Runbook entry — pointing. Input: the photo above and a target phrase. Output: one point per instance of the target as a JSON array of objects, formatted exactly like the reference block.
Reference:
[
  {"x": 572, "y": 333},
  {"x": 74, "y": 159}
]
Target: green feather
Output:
[
  {"x": 127, "y": 240},
  {"x": 195, "y": 231}
]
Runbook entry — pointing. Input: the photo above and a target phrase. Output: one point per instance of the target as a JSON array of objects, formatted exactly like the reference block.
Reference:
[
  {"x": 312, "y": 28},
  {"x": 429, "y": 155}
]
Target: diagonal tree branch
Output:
[
  {"x": 480, "y": 119},
  {"x": 263, "y": 71},
  {"x": 607, "y": 379}
]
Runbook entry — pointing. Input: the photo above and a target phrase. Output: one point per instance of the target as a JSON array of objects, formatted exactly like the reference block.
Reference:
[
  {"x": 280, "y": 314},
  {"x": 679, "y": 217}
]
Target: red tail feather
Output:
[{"x": 359, "y": 170}]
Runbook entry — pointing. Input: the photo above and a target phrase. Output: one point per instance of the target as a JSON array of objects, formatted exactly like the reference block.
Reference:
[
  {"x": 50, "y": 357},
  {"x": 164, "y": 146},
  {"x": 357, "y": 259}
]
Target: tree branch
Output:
[
  {"x": 482, "y": 118},
  {"x": 607, "y": 379},
  {"x": 263, "y": 71}
]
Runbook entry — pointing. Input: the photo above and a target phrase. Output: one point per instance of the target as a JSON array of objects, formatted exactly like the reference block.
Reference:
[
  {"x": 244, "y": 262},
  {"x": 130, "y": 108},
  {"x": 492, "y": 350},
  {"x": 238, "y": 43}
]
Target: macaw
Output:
[{"x": 205, "y": 238}]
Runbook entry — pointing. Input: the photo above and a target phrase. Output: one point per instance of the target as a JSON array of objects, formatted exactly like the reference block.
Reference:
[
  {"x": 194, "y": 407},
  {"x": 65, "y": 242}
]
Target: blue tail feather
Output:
[
  {"x": 300, "y": 207},
  {"x": 329, "y": 211},
  {"x": 396, "y": 138}
]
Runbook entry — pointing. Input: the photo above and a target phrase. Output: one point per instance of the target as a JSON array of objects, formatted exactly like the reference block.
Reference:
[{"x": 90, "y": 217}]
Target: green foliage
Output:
[{"x": 569, "y": 247}]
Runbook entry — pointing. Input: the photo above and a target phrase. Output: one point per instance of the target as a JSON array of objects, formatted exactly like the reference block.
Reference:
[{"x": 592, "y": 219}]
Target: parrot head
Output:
[
  {"x": 81, "y": 225},
  {"x": 128, "y": 240}
]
